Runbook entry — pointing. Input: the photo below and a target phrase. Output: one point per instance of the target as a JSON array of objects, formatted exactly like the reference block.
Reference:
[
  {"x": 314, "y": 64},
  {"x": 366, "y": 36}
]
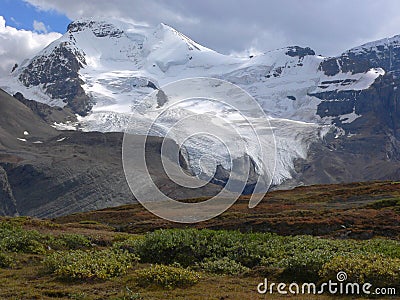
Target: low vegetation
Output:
[
  {"x": 14, "y": 239},
  {"x": 6, "y": 260},
  {"x": 95, "y": 259},
  {"x": 376, "y": 269},
  {"x": 222, "y": 266},
  {"x": 299, "y": 258},
  {"x": 89, "y": 264},
  {"x": 166, "y": 276},
  {"x": 346, "y": 211},
  {"x": 180, "y": 258}
]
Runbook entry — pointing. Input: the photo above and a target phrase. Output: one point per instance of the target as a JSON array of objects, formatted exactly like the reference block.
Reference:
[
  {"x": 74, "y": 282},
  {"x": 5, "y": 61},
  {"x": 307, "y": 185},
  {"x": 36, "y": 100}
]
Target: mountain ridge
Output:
[
  {"x": 45, "y": 172},
  {"x": 102, "y": 70}
]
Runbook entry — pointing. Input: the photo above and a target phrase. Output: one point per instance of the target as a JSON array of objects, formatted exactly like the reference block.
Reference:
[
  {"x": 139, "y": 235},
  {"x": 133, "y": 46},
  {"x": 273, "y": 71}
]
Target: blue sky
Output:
[{"x": 22, "y": 15}]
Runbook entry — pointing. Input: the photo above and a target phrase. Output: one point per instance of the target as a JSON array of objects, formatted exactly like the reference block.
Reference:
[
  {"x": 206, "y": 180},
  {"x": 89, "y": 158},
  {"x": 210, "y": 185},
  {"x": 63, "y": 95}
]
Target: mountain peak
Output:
[
  {"x": 99, "y": 28},
  {"x": 377, "y": 45},
  {"x": 163, "y": 30},
  {"x": 299, "y": 51},
  {"x": 103, "y": 70}
]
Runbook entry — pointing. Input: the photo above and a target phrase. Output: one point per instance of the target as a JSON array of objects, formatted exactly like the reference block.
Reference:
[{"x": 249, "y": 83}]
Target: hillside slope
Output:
[
  {"x": 102, "y": 70},
  {"x": 358, "y": 210},
  {"x": 47, "y": 173}
]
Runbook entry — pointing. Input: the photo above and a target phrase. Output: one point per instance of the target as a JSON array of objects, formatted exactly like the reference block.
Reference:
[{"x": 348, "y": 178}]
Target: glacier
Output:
[{"x": 121, "y": 63}]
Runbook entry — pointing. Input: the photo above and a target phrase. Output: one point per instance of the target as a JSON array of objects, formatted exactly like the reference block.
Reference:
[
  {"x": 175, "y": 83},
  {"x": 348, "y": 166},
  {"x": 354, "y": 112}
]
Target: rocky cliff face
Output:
[
  {"x": 379, "y": 100},
  {"x": 48, "y": 113},
  {"x": 99, "y": 29},
  {"x": 104, "y": 63},
  {"x": 102, "y": 70},
  {"x": 8, "y": 204},
  {"x": 367, "y": 147},
  {"x": 58, "y": 75},
  {"x": 47, "y": 173}
]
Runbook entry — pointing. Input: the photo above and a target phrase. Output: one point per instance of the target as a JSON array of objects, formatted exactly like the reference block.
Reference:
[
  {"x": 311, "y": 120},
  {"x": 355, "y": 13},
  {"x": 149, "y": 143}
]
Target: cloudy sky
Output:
[{"x": 228, "y": 26}]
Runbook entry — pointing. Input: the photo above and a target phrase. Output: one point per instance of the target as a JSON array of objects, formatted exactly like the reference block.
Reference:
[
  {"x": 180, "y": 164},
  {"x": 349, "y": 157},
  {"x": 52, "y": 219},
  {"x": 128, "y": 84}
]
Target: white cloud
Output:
[
  {"x": 329, "y": 27},
  {"x": 39, "y": 26},
  {"x": 17, "y": 45}
]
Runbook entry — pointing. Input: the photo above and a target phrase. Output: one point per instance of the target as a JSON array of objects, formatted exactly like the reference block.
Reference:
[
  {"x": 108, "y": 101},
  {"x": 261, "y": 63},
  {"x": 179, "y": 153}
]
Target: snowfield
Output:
[{"x": 123, "y": 63}]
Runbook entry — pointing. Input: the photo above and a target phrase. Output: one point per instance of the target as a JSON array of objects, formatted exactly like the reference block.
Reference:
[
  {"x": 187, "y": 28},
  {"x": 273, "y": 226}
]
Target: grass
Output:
[
  {"x": 27, "y": 285},
  {"x": 291, "y": 236},
  {"x": 219, "y": 264},
  {"x": 357, "y": 210}
]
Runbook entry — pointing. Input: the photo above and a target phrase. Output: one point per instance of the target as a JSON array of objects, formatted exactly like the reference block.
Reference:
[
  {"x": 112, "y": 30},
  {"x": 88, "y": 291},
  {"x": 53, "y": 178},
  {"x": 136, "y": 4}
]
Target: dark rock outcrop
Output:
[
  {"x": 57, "y": 72},
  {"x": 379, "y": 101},
  {"x": 299, "y": 51},
  {"x": 366, "y": 148},
  {"x": 68, "y": 171},
  {"x": 8, "y": 204},
  {"x": 48, "y": 113},
  {"x": 99, "y": 29}
]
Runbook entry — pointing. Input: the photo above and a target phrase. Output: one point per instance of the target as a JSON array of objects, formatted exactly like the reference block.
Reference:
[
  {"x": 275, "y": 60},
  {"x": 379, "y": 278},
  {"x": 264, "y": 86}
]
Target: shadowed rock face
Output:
[
  {"x": 299, "y": 51},
  {"x": 383, "y": 54},
  {"x": 15, "y": 120},
  {"x": 47, "y": 113},
  {"x": 102, "y": 29},
  {"x": 68, "y": 171},
  {"x": 75, "y": 171},
  {"x": 381, "y": 99},
  {"x": 8, "y": 205},
  {"x": 370, "y": 147},
  {"x": 58, "y": 73},
  {"x": 79, "y": 173}
]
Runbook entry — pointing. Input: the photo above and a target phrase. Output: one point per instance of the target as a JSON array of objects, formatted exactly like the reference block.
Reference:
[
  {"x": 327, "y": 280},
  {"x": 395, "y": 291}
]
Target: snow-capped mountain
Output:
[{"x": 102, "y": 70}]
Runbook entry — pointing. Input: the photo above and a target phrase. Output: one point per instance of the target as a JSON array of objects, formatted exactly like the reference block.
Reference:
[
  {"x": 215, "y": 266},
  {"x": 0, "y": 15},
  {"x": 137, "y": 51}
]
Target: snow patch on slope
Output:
[
  {"x": 349, "y": 81},
  {"x": 373, "y": 46},
  {"x": 125, "y": 62}
]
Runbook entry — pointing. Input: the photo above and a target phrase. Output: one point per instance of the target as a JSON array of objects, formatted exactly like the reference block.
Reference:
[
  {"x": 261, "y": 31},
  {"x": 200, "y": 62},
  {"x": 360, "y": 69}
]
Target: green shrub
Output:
[
  {"x": 78, "y": 296},
  {"x": 168, "y": 246},
  {"x": 304, "y": 266},
  {"x": 75, "y": 241},
  {"x": 123, "y": 236},
  {"x": 393, "y": 202},
  {"x": 79, "y": 264},
  {"x": 89, "y": 222},
  {"x": 302, "y": 243},
  {"x": 190, "y": 246},
  {"x": 375, "y": 269},
  {"x": 15, "y": 239},
  {"x": 248, "y": 249},
  {"x": 222, "y": 266},
  {"x": 68, "y": 242},
  {"x": 387, "y": 248},
  {"x": 166, "y": 276},
  {"x": 298, "y": 257},
  {"x": 131, "y": 243},
  {"x": 6, "y": 260}
]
